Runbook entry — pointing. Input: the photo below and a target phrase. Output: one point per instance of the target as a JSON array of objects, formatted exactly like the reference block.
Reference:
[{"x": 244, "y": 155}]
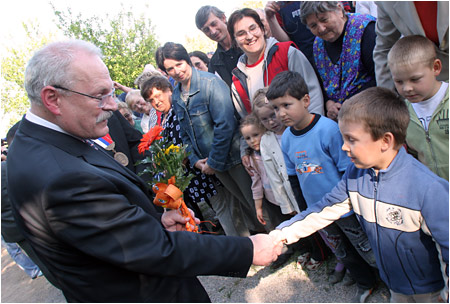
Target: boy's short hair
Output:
[
  {"x": 380, "y": 110},
  {"x": 411, "y": 50},
  {"x": 287, "y": 83}
]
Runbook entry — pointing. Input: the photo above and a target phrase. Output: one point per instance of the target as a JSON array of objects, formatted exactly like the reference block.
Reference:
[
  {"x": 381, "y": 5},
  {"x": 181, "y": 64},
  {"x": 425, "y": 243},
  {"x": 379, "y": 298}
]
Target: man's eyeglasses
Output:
[
  {"x": 253, "y": 29},
  {"x": 102, "y": 99}
]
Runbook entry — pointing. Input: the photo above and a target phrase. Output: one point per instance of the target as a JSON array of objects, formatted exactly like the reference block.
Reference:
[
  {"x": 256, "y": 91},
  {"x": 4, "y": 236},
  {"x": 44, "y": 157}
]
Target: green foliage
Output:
[
  {"x": 13, "y": 97},
  {"x": 127, "y": 42},
  {"x": 166, "y": 161}
]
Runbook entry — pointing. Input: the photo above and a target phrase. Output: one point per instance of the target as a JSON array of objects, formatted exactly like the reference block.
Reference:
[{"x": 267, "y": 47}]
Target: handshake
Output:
[{"x": 267, "y": 248}]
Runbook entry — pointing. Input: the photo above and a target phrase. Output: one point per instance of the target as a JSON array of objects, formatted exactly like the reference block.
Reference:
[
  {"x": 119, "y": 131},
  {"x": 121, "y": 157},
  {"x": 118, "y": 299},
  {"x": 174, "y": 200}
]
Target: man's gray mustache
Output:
[{"x": 104, "y": 116}]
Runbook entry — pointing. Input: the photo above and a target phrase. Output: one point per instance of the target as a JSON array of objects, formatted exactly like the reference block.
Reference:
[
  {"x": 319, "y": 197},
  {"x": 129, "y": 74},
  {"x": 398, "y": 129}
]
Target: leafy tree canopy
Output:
[
  {"x": 13, "y": 97},
  {"x": 128, "y": 42}
]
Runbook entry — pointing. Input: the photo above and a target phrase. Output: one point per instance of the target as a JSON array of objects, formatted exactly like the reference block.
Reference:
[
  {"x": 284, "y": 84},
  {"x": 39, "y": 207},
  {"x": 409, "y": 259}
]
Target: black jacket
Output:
[{"x": 93, "y": 224}]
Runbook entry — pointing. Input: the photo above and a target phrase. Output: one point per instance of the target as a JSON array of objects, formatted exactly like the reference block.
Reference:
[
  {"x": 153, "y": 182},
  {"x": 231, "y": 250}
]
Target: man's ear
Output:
[
  {"x": 388, "y": 141},
  {"x": 50, "y": 99}
]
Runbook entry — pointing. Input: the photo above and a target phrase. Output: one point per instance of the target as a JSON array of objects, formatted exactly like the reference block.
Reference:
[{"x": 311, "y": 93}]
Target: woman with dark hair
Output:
[
  {"x": 199, "y": 60},
  {"x": 263, "y": 59},
  {"x": 209, "y": 128},
  {"x": 343, "y": 50}
]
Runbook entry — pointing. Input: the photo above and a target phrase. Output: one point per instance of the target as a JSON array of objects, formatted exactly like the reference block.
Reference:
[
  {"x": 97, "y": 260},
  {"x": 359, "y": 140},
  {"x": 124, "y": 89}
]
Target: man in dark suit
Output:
[{"x": 91, "y": 220}]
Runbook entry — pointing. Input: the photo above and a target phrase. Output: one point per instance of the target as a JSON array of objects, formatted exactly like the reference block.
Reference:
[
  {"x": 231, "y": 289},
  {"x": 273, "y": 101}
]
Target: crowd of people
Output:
[{"x": 316, "y": 128}]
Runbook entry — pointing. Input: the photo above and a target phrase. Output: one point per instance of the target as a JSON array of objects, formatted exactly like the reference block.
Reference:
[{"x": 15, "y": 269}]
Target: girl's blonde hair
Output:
[{"x": 260, "y": 101}]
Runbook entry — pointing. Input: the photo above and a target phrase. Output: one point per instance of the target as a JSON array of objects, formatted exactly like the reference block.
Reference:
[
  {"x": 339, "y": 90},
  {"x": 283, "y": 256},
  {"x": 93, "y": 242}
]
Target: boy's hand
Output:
[{"x": 278, "y": 236}]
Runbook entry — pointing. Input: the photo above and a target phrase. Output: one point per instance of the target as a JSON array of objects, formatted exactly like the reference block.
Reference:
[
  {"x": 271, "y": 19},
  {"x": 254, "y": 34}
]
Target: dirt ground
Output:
[{"x": 288, "y": 284}]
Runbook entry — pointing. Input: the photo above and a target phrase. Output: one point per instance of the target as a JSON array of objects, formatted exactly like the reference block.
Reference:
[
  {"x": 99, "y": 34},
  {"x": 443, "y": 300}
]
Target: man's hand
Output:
[
  {"x": 172, "y": 220},
  {"x": 265, "y": 249},
  {"x": 246, "y": 163},
  {"x": 333, "y": 109}
]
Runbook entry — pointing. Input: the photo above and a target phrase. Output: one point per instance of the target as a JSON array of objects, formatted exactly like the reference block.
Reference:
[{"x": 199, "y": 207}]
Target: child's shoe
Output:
[
  {"x": 361, "y": 295},
  {"x": 336, "y": 276},
  {"x": 313, "y": 264},
  {"x": 303, "y": 259}
]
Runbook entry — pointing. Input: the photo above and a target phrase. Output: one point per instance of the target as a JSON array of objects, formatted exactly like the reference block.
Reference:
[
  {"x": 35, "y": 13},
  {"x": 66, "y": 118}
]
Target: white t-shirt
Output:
[
  {"x": 426, "y": 108},
  {"x": 255, "y": 78}
]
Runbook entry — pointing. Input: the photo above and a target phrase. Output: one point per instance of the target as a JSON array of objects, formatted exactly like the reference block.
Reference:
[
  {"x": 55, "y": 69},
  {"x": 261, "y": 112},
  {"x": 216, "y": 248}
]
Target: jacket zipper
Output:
[{"x": 375, "y": 190}]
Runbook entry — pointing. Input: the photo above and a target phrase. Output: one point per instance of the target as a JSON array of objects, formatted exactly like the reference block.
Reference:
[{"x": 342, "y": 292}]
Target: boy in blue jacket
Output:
[{"x": 401, "y": 205}]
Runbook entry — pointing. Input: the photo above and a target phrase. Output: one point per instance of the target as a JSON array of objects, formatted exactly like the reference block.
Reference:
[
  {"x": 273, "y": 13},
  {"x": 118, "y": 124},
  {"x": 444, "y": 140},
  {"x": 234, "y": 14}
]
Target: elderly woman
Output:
[
  {"x": 126, "y": 112},
  {"x": 136, "y": 103},
  {"x": 263, "y": 59},
  {"x": 208, "y": 126},
  {"x": 342, "y": 50}
]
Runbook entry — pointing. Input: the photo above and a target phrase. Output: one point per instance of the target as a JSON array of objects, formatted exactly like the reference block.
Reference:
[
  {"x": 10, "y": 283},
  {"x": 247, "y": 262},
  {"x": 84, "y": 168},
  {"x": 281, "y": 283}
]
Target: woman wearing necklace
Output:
[{"x": 209, "y": 127}]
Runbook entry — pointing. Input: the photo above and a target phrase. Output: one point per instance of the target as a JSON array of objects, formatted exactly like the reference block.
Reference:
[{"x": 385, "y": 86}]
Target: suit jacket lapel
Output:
[{"x": 78, "y": 148}]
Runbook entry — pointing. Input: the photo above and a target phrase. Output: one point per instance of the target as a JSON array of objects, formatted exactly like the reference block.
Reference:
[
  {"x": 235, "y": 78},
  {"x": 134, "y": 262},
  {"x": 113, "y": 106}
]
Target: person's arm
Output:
[
  {"x": 435, "y": 211},
  {"x": 387, "y": 35},
  {"x": 121, "y": 87},
  {"x": 299, "y": 63},
  {"x": 130, "y": 237},
  {"x": 332, "y": 206},
  {"x": 225, "y": 125},
  {"x": 185, "y": 139},
  {"x": 281, "y": 190},
  {"x": 292, "y": 175},
  {"x": 257, "y": 192},
  {"x": 271, "y": 9}
]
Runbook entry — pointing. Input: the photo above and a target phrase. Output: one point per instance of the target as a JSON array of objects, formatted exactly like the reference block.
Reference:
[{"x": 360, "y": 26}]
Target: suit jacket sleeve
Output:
[
  {"x": 387, "y": 35},
  {"x": 88, "y": 209}
]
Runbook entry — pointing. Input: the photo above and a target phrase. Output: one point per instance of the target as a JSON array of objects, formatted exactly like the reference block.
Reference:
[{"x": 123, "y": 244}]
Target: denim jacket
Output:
[{"x": 207, "y": 121}]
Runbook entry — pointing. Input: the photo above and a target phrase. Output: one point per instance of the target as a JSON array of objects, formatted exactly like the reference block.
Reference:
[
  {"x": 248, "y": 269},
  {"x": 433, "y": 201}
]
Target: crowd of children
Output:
[{"x": 377, "y": 207}]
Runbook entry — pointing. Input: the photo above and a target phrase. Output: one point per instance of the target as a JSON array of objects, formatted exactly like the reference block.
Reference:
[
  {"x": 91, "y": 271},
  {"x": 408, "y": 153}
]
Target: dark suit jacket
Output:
[
  {"x": 10, "y": 232},
  {"x": 92, "y": 223}
]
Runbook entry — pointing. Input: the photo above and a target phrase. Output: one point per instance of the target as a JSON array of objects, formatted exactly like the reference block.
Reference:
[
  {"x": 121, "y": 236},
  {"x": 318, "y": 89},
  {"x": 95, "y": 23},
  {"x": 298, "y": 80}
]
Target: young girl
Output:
[
  {"x": 252, "y": 131},
  {"x": 275, "y": 170}
]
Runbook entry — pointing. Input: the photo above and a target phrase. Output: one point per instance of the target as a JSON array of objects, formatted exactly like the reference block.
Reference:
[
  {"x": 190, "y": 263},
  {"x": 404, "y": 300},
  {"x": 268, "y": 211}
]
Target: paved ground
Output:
[{"x": 288, "y": 284}]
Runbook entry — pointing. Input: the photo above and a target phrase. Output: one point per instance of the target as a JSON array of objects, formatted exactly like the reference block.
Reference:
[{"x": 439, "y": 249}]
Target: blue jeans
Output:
[
  {"x": 21, "y": 259},
  {"x": 344, "y": 250}
]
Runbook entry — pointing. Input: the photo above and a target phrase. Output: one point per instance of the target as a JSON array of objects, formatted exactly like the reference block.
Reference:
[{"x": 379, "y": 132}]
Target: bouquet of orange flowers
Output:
[{"x": 169, "y": 174}]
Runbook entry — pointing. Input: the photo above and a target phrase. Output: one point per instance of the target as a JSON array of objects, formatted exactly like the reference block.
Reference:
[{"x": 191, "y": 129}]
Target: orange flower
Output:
[{"x": 148, "y": 138}]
